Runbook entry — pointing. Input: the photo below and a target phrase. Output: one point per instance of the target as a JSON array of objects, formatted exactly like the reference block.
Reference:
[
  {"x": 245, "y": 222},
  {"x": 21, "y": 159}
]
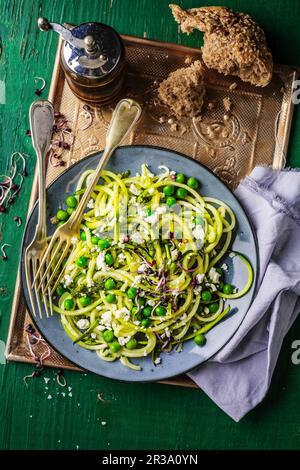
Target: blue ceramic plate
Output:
[{"x": 173, "y": 363}]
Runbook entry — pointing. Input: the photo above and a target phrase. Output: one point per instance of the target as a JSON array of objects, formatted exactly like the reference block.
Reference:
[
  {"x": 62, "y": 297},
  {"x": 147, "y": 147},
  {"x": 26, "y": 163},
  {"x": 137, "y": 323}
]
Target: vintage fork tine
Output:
[
  {"x": 61, "y": 275},
  {"x": 44, "y": 299},
  {"x": 38, "y": 300},
  {"x": 28, "y": 263},
  {"x": 58, "y": 264},
  {"x": 43, "y": 261}
]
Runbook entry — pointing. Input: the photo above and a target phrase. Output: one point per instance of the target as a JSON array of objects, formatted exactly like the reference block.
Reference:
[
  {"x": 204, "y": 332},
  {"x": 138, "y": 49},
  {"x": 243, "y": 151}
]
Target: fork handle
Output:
[
  {"x": 41, "y": 116},
  {"x": 124, "y": 117}
]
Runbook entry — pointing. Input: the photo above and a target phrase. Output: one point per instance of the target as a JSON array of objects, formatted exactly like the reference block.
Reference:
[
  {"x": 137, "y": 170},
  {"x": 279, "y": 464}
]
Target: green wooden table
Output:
[{"x": 150, "y": 416}]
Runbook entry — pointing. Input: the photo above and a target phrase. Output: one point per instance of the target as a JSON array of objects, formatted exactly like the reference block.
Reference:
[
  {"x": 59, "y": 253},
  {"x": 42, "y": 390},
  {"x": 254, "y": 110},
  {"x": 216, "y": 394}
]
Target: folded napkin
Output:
[{"x": 238, "y": 377}]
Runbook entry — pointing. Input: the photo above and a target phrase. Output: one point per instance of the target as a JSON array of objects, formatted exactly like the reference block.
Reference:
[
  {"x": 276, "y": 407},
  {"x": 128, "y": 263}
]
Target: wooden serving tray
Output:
[{"x": 254, "y": 131}]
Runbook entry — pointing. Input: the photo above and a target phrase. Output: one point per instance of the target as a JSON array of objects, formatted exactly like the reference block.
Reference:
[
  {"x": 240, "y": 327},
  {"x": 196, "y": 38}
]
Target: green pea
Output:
[
  {"x": 109, "y": 284},
  {"x": 180, "y": 178},
  {"x": 82, "y": 262},
  {"x": 115, "y": 347},
  {"x": 200, "y": 339},
  {"x": 85, "y": 301},
  {"x": 131, "y": 344},
  {"x": 103, "y": 244},
  {"x": 62, "y": 215},
  {"x": 171, "y": 201},
  {"x": 82, "y": 235},
  {"x": 68, "y": 304},
  {"x": 62, "y": 222},
  {"x": 148, "y": 211},
  {"x": 168, "y": 190},
  {"x": 147, "y": 311},
  {"x": 193, "y": 183},
  {"x": 206, "y": 295},
  {"x": 213, "y": 308},
  {"x": 227, "y": 289},
  {"x": 109, "y": 259},
  {"x": 110, "y": 298},
  {"x": 146, "y": 322},
  {"x": 198, "y": 220},
  {"x": 60, "y": 290},
  {"x": 181, "y": 193},
  {"x": 108, "y": 336},
  {"x": 70, "y": 210},
  {"x": 71, "y": 201},
  {"x": 131, "y": 292},
  {"x": 94, "y": 240},
  {"x": 160, "y": 311}
]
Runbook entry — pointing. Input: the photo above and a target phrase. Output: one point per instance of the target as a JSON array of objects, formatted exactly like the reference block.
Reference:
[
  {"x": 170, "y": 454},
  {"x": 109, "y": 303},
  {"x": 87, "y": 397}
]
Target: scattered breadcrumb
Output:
[
  {"x": 227, "y": 104},
  {"x": 233, "y": 86}
]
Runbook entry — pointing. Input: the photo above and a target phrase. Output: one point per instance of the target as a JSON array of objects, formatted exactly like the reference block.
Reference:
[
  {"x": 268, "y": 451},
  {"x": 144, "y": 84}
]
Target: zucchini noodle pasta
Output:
[{"x": 145, "y": 273}]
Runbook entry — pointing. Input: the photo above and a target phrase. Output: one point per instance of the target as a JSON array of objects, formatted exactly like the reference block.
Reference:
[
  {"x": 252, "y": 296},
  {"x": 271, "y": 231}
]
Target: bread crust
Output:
[{"x": 233, "y": 43}]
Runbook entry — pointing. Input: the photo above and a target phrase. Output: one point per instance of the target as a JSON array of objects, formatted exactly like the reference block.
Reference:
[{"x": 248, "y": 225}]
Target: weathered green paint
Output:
[{"x": 137, "y": 416}]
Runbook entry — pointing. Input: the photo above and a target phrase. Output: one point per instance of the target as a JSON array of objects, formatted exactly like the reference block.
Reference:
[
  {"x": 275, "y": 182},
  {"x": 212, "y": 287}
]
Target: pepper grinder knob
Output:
[{"x": 44, "y": 24}]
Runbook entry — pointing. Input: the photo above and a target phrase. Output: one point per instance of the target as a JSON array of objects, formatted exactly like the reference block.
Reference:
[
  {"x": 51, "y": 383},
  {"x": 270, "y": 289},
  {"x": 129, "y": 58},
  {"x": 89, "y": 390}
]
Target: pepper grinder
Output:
[{"x": 93, "y": 59}]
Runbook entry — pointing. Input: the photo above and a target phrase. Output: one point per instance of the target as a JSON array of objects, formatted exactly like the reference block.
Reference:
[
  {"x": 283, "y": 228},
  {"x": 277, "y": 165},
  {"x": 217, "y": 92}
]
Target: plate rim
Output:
[{"x": 166, "y": 376}]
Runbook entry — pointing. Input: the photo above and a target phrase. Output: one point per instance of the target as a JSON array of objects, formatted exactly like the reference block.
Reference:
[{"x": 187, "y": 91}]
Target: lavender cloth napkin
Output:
[{"x": 238, "y": 377}]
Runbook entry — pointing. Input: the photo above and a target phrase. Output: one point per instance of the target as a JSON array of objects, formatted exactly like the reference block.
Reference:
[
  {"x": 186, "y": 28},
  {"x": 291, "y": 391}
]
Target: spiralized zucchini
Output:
[{"x": 141, "y": 277}]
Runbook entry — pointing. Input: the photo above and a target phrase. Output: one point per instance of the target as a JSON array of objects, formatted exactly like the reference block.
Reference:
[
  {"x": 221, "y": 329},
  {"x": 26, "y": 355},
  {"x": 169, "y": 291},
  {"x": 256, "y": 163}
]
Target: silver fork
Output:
[{"x": 41, "y": 116}]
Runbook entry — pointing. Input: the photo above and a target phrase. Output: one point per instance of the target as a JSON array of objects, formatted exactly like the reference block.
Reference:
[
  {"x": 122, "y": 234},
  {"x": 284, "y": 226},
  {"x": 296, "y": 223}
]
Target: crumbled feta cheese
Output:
[
  {"x": 213, "y": 288},
  {"x": 106, "y": 318},
  {"x": 151, "y": 190},
  {"x": 67, "y": 280},
  {"x": 136, "y": 322},
  {"x": 224, "y": 267},
  {"x": 151, "y": 303},
  {"x": 132, "y": 200},
  {"x": 100, "y": 327},
  {"x": 213, "y": 275},
  {"x": 136, "y": 237},
  {"x": 231, "y": 254},
  {"x": 157, "y": 361},
  {"x": 137, "y": 280},
  {"x": 123, "y": 341},
  {"x": 91, "y": 204},
  {"x": 200, "y": 278},
  {"x": 72, "y": 266},
  {"x": 206, "y": 310},
  {"x": 74, "y": 240},
  {"x": 167, "y": 332},
  {"x": 100, "y": 262},
  {"x": 93, "y": 335},
  {"x": 197, "y": 289},
  {"x": 198, "y": 233},
  {"x": 83, "y": 323},
  {"x": 121, "y": 257},
  {"x": 121, "y": 312},
  {"x": 134, "y": 190},
  {"x": 142, "y": 268}
]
